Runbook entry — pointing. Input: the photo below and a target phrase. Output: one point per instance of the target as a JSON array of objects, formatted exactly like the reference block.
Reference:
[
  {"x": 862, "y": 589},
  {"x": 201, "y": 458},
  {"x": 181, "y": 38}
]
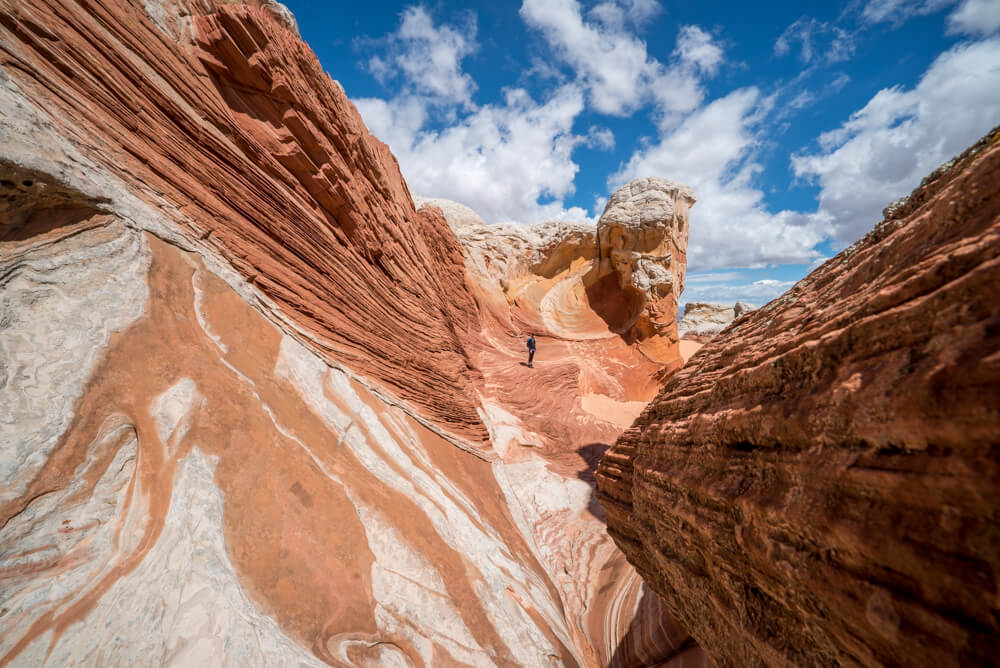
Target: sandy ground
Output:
[{"x": 689, "y": 348}]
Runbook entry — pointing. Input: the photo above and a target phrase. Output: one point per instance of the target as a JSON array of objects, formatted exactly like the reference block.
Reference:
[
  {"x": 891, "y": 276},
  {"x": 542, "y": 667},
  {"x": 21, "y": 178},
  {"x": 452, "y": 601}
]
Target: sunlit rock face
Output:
[
  {"x": 819, "y": 485},
  {"x": 642, "y": 257},
  {"x": 258, "y": 409},
  {"x": 552, "y": 423}
]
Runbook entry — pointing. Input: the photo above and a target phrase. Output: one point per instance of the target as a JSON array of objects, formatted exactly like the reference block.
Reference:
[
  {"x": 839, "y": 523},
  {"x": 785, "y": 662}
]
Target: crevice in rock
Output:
[{"x": 33, "y": 203}]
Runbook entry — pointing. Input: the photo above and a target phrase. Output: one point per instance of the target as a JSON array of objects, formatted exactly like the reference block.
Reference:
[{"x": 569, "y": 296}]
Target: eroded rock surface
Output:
[
  {"x": 820, "y": 485},
  {"x": 702, "y": 321},
  {"x": 551, "y": 424},
  {"x": 258, "y": 409},
  {"x": 642, "y": 250}
]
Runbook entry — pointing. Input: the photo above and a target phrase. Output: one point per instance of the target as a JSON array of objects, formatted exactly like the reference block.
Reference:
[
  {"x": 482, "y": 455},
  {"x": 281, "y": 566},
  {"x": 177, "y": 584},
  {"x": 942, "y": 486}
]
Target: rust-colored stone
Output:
[{"x": 820, "y": 486}]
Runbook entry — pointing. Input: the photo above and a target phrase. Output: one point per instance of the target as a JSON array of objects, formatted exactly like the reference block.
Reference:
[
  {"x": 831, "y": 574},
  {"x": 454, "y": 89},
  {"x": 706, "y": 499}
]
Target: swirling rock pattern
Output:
[
  {"x": 820, "y": 485},
  {"x": 257, "y": 408}
]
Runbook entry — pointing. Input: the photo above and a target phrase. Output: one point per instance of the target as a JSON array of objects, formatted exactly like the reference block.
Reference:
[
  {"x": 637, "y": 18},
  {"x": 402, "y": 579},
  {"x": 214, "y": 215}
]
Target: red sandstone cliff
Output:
[
  {"x": 257, "y": 410},
  {"x": 225, "y": 122},
  {"x": 820, "y": 485}
]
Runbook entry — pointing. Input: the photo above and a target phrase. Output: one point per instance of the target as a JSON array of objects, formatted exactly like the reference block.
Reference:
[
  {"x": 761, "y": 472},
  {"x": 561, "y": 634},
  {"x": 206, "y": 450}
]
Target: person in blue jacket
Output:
[{"x": 531, "y": 350}]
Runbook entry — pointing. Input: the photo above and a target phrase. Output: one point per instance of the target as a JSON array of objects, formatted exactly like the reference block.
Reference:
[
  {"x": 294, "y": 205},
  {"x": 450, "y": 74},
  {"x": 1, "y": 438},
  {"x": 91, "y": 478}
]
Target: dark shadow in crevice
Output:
[
  {"x": 591, "y": 455},
  {"x": 33, "y": 203},
  {"x": 654, "y": 638}
]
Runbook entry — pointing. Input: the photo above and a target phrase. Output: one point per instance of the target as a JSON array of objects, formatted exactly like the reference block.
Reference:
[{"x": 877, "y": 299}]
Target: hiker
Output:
[{"x": 531, "y": 349}]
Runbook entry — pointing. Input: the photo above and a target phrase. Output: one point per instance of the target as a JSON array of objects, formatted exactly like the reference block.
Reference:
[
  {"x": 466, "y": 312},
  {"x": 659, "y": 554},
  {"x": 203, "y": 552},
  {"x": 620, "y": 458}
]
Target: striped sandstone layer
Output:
[
  {"x": 820, "y": 485},
  {"x": 259, "y": 412}
]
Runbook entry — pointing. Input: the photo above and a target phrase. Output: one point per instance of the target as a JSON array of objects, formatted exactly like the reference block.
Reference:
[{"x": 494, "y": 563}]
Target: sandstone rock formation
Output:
[
  {"x": 642, "y": 240},
  {"x": 820, "y": 485},
  {"x": 260, "y": 410},
  {"x": 621, "y": 279},
  {"x": 702, "y": 321}
]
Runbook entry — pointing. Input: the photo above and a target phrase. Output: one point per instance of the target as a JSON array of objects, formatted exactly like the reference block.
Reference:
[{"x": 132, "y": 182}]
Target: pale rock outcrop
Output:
[
  {"x": 642, "y": 256},
  {"x": 622, "y": 277},
  {"x": 506, "y": 252},
  {"x": 643, "y": 235},
  {"x": 701, "y": 321},
  {"x": 819, "y": 486}
]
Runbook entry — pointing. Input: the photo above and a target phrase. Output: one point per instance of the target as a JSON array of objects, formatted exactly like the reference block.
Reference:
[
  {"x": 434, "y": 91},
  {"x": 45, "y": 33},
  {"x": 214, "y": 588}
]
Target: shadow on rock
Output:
[{"x": 591, "y": 455}]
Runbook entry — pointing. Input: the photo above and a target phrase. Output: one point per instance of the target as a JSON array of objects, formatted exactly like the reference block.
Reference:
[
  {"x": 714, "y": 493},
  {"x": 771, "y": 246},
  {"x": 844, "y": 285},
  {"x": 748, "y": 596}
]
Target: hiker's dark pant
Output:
[{"x": 531, "y": 355}]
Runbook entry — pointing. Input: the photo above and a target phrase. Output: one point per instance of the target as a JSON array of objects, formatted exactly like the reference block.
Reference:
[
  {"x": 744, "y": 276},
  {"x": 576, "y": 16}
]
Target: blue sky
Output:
[{"x": 795, "y": 123}]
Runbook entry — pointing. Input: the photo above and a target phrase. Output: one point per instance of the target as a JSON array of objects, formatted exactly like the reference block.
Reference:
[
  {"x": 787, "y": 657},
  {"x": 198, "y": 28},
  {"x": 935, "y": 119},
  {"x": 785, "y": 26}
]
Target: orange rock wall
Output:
[
  {"x": 225, "y": 122},
  {"x": 261, "y": 414},
  {"x": 820, "y": 485}
]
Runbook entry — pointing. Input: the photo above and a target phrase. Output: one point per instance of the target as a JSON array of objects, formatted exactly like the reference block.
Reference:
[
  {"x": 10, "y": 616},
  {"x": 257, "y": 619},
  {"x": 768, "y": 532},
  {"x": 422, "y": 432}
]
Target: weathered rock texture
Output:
[
  {"x": 621, "y": 279},
  {"x": 551, "y": 424},
  {"x": 642, "y": 250},
  {"x": 702, "y": 321},
  {"x": 257, "y": 409},
  {"x": 251, "y": 152},
  {"x": 820, "y": 485}
]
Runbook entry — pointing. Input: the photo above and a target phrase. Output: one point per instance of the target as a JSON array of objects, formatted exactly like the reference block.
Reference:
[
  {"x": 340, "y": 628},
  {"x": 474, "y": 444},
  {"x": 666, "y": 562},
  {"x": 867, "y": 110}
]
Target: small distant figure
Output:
[{"x": 531, "y": 350}]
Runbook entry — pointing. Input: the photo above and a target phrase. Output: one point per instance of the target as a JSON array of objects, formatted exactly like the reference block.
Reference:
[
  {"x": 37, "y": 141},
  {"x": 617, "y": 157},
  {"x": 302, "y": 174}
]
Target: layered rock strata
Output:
[
  {"x": 820, "y": 485},
  {"x": 258, "y": 409},
  {"x": 621, "y": 278},
  {"x": 224, "y": 123}
]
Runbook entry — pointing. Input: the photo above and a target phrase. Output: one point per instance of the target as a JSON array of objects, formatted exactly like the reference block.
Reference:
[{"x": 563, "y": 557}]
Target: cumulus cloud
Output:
[
  {"x": 501, "y": 159},
  {"x": 612, "y": 64},
  {"x": 879, "y": 154},
  {"x": 695, "y": 47},
  {"x": 885, "y": 149},
  {"x": 427, "y": 58},
  {"x": 713, "y": 151},
  {"x": 601, "y": 138},
  {"x": 975, "y": 17}
]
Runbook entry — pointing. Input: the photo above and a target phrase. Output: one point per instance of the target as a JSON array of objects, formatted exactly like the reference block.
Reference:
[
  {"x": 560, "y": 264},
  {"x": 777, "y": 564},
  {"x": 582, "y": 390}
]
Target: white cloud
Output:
[
  {"x": 428, "y": 58},
  {"x": 897, "y": 12},
  {"x": 834, "y": 43},
  {"x": 615, "y": 14},
  {"x": 712, "y": 150},
  {"x": 885, "y": 149},
  {"x": 613, "y": 64},
  {"x": 601, "y": 138},
  {"x": 600, "y": 201},
  {"x": 757, "y": 292},
  {"x": 975, "y": 17},
  {"x": 499, "y": 160},
  {"x": 642, "y": 11},
  {"x": 695, "y": 46}
]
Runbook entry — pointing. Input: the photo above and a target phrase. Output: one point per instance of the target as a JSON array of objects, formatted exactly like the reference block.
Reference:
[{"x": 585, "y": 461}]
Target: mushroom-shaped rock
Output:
[{"x": 642, "y": 256}]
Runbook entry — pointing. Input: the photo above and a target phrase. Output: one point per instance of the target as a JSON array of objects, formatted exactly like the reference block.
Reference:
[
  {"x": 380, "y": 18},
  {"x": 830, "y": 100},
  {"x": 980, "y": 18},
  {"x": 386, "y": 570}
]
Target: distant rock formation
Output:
[
  {"x": 642, "y": 257},
  {"x": 622, "y": 277},
  {"x": 702, "y": 321},
  {"x": 820, "y": 485},
  {"x": 259, "y": 410},
  {"x": 506, "y": 252}
]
